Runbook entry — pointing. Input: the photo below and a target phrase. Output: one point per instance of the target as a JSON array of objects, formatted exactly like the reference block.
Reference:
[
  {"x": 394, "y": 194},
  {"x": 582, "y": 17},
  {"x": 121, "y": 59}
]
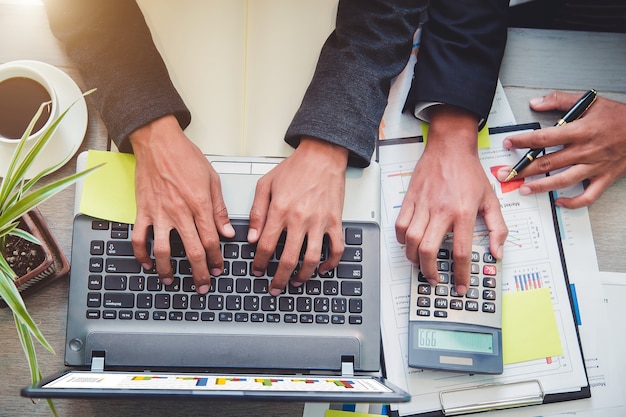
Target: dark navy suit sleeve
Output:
[{"x": 461, "y": 49}]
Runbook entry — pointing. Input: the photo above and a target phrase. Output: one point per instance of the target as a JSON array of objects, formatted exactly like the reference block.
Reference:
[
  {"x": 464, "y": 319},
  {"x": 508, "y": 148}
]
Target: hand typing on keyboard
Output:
[
  {"x": 303, "y": 196},
  {"x": 177, "y": 189}
]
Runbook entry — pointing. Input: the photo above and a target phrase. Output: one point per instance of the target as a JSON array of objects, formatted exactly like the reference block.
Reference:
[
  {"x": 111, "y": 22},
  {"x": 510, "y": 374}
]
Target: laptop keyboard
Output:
[{"x": 118, "y": 288}]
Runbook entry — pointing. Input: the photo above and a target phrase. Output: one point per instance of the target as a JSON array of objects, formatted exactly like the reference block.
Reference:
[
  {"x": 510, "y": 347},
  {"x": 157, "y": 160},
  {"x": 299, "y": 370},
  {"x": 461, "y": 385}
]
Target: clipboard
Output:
[{"x": 503, "y": 395}]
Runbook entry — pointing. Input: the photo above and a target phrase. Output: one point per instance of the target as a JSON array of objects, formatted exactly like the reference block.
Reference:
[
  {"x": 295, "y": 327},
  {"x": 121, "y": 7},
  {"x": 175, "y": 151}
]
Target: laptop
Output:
[{"x": 129, "y": 335}]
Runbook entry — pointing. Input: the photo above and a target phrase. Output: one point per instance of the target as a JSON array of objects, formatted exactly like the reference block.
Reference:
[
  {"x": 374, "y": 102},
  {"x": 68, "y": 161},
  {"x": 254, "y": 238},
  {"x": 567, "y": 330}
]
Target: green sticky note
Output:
[
  {"x": 483, "y": 136},
  {"x": 529, "y": 329},
  {"x": 109, "y": 192}
]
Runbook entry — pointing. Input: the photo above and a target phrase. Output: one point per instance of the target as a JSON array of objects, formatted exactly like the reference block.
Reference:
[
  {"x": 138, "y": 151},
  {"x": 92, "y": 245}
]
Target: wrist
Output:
[
  {"x": 453, "y": 128},
  {"x": 311, "y": 145},
  {"x": 152, "y": 132}
]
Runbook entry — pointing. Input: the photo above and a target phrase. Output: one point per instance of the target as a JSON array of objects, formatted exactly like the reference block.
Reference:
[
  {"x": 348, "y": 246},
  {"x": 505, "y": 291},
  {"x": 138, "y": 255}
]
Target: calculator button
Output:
[
  {"x": 456, "y": 304},
  {"x": 422, "y": 312},
  {"x": 472, "y": 293},
  {"x": 440, "y": 313},
  {"x": 444, "y": 278},
  {"x": 423, "y": 302},
  {"x": 441, "y": 303},
  {"x": 489, "y": 308},
  {"x": 454, "y": 292},
  {"x": 441, "y": 290},
  {"x": 443, "y": 266},
  {"x": 489, "y": 295},
  {"x": 489, "y": 282},
  {"x": 443, "y": 254},
  {"x": 489, "y": 258},
  {"x": 474, "y": 269},
  {"x": 423, "y": 289},
  {"x": 490, "y": 270},
  {"x": 474, "y": 281},
  {"x": 471, "y": 305},
  {"x": 475, "y": 257}
]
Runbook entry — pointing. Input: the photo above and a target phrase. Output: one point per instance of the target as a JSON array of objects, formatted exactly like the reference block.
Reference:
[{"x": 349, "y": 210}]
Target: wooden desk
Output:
[{"x": 535, "y": 62}]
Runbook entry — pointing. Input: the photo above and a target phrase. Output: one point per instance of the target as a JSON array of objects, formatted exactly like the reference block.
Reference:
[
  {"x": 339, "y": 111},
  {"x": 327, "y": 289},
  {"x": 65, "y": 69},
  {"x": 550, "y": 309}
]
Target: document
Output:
[
  {"x": 531, "y": 260},
  {"x": 242, "y": 66}
]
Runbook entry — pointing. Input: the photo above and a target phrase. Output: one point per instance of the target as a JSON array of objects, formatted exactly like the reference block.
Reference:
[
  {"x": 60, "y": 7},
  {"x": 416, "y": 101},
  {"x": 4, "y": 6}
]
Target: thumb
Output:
[
  {"x": 220, "y": 212},
  {"x": 555, "y": 100},
  {"x": 259, "y": 209}
]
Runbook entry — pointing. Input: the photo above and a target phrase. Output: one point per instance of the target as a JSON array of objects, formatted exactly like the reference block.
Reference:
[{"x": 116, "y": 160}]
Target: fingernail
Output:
[
  {"x": 275, "y": 292},
  {"x": 257, "y": 272},
  {"x": 433, "y": 282},
  {"x": 297, "y": 283},
  {"x": 203, "y": 289},
  {"x": 167, "y": 281},
  {"x": 216, "y": 272},
  {"x": 146, "y": 266},
  {"x": 228, "y": 229},
  {"x": 507, "y": 144},
  {"x": 536, "y": 100},
  {"x": 252, "y": 235},
  {"x": 525, "y": 190},
  {"x": 461, "y": 289}
]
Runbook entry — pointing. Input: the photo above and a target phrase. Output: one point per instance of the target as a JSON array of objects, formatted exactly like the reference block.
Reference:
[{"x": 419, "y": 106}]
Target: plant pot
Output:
[{"x": 54, "y": 264}]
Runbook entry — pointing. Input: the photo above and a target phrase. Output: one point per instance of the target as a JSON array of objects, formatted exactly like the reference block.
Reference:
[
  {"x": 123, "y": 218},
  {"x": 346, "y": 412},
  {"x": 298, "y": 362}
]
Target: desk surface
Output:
[{"x": 535, "y": 62}]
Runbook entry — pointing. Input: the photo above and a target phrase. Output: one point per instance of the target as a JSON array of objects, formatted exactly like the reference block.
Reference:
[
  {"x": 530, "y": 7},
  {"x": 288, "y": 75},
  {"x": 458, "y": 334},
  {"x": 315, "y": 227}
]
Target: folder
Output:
[{"x": 533, "y": 259}]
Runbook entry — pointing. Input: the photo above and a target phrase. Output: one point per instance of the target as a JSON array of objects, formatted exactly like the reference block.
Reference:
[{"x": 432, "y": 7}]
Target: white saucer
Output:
[{"x": 70, "y": 132}]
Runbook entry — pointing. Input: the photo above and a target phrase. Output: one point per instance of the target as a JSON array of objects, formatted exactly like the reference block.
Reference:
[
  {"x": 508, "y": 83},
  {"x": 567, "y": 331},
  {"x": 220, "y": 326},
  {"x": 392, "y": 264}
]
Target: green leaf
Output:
[
  {"x": 25, "y": 235},
  {"x": 12, "y": 297},
  {"x": 30, "y": 201},
  {"x": 17, "y": 197}
]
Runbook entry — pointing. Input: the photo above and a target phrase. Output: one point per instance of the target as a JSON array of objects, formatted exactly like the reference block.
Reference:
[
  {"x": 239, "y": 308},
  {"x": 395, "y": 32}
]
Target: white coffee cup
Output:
[{"x": 22, "y": 90}]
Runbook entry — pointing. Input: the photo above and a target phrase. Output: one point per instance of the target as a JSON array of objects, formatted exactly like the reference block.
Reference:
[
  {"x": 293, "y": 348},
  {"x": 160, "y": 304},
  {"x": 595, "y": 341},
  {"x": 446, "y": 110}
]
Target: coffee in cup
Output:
[{"x": 22, "y": 91}]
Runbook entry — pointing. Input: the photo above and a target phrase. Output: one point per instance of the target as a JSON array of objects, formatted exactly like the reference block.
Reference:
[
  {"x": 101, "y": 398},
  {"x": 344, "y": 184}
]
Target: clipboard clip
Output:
[{"x": 492, "y": 397}]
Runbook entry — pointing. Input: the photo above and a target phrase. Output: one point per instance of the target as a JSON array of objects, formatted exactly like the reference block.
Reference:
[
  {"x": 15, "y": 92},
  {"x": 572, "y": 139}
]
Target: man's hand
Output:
[
  {"x": 303, "y": 196},
  {"x": 594, "y": 148},
  {"x": 176, "y": 188},
  {"x": 448, "y": 190}
]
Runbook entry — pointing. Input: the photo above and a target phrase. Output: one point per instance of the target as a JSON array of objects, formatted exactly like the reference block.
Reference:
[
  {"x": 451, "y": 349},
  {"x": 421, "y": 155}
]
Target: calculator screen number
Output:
[{"x": 453, "y": 340}]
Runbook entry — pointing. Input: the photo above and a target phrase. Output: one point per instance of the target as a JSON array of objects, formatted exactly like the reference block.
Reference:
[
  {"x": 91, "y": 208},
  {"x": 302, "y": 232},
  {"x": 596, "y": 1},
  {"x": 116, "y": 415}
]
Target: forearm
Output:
[{"x": 112, "y": 47}]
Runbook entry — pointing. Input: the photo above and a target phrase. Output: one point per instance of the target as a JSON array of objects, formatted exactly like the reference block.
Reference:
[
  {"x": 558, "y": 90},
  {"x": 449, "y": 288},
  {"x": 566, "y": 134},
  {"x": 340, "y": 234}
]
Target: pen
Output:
[{"x": 572, "y": 114}]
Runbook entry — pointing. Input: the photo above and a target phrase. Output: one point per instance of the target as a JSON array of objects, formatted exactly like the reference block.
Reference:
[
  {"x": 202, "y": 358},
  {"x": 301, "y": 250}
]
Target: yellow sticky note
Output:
[
  {"x": 109, "y": 192},
  {"x": 529, "y": 329},
  {"x": 483, "y": 136},
  {"x": 340, "y": 413}
]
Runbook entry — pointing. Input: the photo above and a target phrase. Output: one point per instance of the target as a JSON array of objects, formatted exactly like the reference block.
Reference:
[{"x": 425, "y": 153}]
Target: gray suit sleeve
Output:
[
  {"x": 111, "y": 45},
  {"x": 347, "y": 96}
]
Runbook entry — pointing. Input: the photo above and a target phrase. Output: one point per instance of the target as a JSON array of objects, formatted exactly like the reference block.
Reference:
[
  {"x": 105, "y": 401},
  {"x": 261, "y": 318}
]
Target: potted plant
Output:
[{"x": 18, "y": 197}]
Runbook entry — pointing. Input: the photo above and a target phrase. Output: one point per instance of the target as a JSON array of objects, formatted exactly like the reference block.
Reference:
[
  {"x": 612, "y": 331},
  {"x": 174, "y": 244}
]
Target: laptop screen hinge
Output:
[
  {"x": 97, "y": 361},
  {"x": 347, "y": 365}
]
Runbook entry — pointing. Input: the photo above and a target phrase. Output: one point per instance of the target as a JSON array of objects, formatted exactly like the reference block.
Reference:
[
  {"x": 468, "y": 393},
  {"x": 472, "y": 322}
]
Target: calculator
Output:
[{"x": 453, "y": 332}]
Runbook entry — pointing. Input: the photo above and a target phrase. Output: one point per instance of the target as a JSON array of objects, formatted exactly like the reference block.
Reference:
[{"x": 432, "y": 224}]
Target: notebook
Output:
[{"x": 129, "y": 335}]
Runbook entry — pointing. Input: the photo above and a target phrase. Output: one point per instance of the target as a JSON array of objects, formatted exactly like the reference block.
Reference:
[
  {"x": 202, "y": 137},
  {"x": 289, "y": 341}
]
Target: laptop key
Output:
[
  {"x": 118, "y": 300},
  {"x": 115, "y": 282},
  {"x": 121, "y": 265},
  {"x": 119, "y": 248},
  {"x": 162, "y": 301}
]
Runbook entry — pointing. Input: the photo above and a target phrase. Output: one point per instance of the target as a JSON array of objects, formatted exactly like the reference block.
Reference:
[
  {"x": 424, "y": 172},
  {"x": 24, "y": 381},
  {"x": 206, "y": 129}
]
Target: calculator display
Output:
[{"x": 454, "y": 340}]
